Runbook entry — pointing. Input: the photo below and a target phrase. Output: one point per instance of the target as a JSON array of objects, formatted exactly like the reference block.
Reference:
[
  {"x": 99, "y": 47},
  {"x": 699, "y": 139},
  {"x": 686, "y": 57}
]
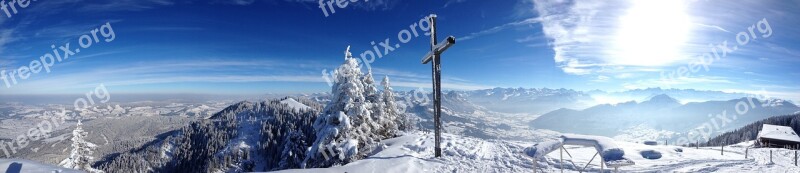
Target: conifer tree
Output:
[{"x": 81, "y": 156}]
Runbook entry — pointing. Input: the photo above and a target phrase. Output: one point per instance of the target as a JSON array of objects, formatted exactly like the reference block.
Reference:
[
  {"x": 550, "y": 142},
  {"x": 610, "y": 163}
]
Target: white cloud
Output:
[
  {"x": 714, "y": 27},
  {"x": 528, "y": 39},
  {"x": 624, "y": 75},
  {"x": 451, "y": 2},
  {"x": 601, "y": 78},
  {"x": 242, "y": 2},
  {"x": 207, "y": 71},
  {"x": 416, "y": 80},
  {"x": 5, "y": 38},
  {"x": 125, "y": 5},
  {"x": 589, "y": 36},
  {"x": 499, "y": 28},
  {"x": 66, "y": 84},
  {"x": 396, "y": 73},
  {"x": 445, "y": 85},
  {"x": 222, "y": 79},
  {"x": 371, "y": 5},
  {"x": 200, "y": 70},
  {"x": 680, "y": 82}
]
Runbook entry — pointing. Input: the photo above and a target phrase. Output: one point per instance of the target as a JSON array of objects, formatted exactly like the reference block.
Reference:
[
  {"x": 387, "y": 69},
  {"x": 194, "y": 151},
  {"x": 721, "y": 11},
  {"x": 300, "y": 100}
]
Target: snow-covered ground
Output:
[
  {"x": 759, "y": 159},
  {"x": 22, "y": 166},
  {"x": 414, "y": 153}
]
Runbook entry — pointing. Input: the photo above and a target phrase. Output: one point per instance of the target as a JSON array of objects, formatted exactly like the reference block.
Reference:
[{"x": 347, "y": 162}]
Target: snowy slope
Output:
[
  {"x": 294, "y": 104},
  {"x": 20, "y": 166},
  {"x": 414, "y": 153}
]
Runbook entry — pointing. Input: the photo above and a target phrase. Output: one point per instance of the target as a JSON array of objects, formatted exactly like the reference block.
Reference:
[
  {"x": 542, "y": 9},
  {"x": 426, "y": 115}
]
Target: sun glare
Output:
[{"x": 651, "y": 33}]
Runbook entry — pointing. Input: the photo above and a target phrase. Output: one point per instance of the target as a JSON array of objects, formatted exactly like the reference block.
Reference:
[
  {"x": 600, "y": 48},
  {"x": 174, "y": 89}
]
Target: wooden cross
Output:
[{"x": 436, "y": 70}]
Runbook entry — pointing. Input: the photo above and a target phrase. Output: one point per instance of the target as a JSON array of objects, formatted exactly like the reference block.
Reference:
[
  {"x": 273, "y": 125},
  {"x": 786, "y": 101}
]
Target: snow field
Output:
[
  {"x": 414, "y": 153},
  {"x": 31, "y": 166}
]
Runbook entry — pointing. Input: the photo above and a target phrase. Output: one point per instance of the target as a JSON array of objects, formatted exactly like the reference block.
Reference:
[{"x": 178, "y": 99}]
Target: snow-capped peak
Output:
[{"x": 773, "y": 102}]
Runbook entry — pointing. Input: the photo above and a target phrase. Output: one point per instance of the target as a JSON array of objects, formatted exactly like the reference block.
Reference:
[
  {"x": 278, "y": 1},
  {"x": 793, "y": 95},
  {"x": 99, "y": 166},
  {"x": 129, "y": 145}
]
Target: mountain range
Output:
[
  {"x": 662, "y": 112},
  {"x": 543, "y": 100}
]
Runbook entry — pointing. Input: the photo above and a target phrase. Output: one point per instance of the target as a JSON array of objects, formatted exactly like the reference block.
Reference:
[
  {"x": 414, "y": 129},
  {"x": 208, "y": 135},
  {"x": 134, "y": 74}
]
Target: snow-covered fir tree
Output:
[
  {"x": 334, "y": 125},
  {"x": 345, "y": 129},
  {"x": 81, "y": 156},
  {"x": 370, "y": 90},
  {"x": 379, "y": 114},
  {"x": 374, "y": 103},
  {"x": 392, "y": 118}
]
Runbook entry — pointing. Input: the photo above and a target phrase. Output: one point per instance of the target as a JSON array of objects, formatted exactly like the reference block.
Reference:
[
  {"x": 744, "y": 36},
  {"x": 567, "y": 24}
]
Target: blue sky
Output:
[{"x": 282, "y": 46}]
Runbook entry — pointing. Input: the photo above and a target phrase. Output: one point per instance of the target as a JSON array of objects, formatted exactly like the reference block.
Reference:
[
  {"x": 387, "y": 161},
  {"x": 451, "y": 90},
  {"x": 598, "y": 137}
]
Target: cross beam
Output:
[
  {"x": 436, "y": 71},
  {"x": 438, "y": 49}
]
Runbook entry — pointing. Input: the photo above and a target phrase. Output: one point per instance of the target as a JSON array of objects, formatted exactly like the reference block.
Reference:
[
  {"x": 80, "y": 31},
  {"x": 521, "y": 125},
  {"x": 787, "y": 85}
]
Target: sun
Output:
[{"x": 651, "y": 33}]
